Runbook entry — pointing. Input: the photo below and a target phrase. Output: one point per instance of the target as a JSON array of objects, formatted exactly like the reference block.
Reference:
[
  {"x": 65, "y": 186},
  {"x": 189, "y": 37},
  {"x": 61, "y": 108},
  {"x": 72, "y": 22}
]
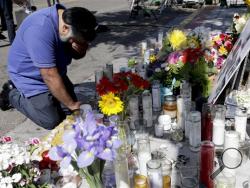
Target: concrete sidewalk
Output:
[{"x": 14, "y": 124}]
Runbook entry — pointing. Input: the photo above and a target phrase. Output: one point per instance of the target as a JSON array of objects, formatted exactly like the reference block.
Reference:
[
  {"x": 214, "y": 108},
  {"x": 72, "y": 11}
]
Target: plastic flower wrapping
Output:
[
  {"x": 18, "y": 164},
  {"x": 115, "y": 94}
]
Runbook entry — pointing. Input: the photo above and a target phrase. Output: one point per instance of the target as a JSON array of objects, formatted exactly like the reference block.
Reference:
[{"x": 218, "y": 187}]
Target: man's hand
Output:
[
  {"x": 75, "y": 106},
  {"x": 55, "y": 84}
]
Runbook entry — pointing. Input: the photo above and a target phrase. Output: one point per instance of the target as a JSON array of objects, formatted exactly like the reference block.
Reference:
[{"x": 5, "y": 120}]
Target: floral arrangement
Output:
[
  {"x": 182, "y": 58},
  {"x": 222, "y": 44},
  {"x": 84, "y": 147},
  {"x": 115, "y": 94},
  {"x": 19, "y": 167},
  {"x": 239, "y": 22}
]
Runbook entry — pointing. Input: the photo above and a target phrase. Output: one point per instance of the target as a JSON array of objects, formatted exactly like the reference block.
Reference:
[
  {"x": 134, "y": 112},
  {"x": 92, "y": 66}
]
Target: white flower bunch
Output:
[
  {"x": 17, "y": 168},
  {"x": 12, "y": 154},
  {"x": 6, "y": 182},
  {"x": 240, "y": 21},
  {"x": 203, "y": 34}
]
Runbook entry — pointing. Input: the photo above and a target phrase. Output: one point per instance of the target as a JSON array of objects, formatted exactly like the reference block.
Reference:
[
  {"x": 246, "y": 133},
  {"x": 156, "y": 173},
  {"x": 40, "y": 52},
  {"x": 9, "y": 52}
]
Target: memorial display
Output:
[{"x": 155, "y": 124}]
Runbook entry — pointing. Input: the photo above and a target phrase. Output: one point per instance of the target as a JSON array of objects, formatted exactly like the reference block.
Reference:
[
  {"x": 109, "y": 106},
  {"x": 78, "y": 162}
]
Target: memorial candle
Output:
[
  {"x": 219, "y": 125},
  {"x": 241, "y": 122},
  {"x": 206, "y": 123},
  {"x": 206, "y": 163}
]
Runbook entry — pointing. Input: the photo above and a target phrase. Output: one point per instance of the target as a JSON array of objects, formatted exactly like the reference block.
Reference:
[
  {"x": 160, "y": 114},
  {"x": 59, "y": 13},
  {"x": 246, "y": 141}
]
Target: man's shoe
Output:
[
  {"x": 4, "y": 96},
  {"x": 8, "y": 86}
]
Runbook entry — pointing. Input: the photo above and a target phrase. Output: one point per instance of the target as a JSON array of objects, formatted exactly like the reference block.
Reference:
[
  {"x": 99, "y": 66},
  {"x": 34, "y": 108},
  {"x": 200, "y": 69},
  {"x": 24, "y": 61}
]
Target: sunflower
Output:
[
  {"x": 177, "y": 39},
  {"x": 110, "y": 104}
]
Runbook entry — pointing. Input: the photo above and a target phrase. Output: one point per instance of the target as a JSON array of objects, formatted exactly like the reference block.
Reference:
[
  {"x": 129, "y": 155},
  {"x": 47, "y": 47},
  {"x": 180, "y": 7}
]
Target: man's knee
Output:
[{"x": 49, "y": 124}]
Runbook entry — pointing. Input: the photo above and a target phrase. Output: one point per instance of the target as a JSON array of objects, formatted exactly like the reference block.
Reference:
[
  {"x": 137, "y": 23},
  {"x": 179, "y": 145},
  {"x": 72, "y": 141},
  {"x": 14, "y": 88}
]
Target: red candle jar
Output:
[
  {"x": 207, "y": 153},
  {"x": 206, "y": 123}
]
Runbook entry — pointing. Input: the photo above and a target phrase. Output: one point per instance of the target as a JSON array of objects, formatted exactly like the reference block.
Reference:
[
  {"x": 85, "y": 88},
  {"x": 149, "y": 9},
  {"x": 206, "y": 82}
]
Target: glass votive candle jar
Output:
[
  {"x": 195, "y": 131},
  {"x": 144, "y": 154},
  {"x": 223, "y": 181},
  {"x": 177, "y": 133},
  {"x": 166, "y": 167},
  {"x": 98, "y": 75},
  {"x": 140, "y": 181},
  {"x": 170, "y": 106},
  {"x": 189, "y": 176},
  {"x": 154, "y": 173}
]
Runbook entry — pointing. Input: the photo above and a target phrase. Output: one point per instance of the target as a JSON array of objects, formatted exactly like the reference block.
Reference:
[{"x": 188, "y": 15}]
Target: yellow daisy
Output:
[
  {"x": 223, "y": 50},
  {"x": 110, "y": 104},
  {"x": 152, "y": 58},
  {"x": 177, "y": 39}
]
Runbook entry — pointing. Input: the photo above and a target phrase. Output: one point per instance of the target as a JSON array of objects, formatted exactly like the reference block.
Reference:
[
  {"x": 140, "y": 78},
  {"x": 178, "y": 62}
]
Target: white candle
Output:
[
  {"x": 147, "y": 109},
  {"x": 232, "y": 139},
  {"x": 218, "y": 131},
  {"x": 143, "y": 158},
  {"x": 231, "y": 157},
  {"x": 165, "y": 120},
  {"x": 240, "y": 126},
  {"x": 155, "y": 180},
  {"x": 180, "y": 112},
  {"x": 159, "y": 130}
]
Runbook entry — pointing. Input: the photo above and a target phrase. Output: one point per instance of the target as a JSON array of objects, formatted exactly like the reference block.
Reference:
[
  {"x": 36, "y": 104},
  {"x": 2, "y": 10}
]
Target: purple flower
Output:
[
  {"x": 57, "y": 153},
  {"x": 86, "y": 158},
  {"x": 89, "y": 140}
]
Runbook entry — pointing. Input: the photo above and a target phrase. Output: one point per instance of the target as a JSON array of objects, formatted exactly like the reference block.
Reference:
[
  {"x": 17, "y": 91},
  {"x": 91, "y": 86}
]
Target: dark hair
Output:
[{"x": 82, "y": 21}]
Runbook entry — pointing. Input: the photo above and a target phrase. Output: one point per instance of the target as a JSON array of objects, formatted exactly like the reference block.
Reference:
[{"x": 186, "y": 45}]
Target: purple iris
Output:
[{"x": 85, "y": 142}]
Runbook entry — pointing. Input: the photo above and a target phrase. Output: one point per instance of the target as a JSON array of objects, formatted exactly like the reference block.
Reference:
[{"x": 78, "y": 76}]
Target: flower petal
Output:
[
  {"x": 86, "y": 158},
  {"x": 107, "y": 154},
  {"x": 70, "y": 145},
  {"x": 65, "y": 162},
  {"x": 56, "y": 153}
]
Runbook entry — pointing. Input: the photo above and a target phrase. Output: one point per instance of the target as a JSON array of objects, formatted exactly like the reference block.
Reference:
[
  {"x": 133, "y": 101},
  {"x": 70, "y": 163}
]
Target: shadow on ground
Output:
[{"x": 128, "y": 32}]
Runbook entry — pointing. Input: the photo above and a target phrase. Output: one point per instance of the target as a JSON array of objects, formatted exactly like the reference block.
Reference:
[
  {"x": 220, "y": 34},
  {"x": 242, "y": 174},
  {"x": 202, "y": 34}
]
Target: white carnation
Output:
[
  {"x": 19, "y": 160},
  {"x": 9, "y": 185},
  {"x": 16, "y": 177},
  {"x": 7, "y": 180}
]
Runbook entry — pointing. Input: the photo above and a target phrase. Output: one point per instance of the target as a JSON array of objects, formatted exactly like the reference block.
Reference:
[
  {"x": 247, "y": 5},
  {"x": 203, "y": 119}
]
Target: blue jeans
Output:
[
  {"x": 43, "y": 109},
  {"x": 6, "y": 9}
]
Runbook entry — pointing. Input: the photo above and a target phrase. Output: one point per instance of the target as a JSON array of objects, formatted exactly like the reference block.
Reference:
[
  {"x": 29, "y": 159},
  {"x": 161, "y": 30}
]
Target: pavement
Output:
[{"x": 116, "y": 46}]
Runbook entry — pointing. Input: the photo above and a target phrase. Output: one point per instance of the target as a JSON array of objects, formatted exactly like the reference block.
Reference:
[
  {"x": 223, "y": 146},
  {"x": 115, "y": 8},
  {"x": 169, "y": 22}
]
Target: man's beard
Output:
[{"x": 68, "y": 46}]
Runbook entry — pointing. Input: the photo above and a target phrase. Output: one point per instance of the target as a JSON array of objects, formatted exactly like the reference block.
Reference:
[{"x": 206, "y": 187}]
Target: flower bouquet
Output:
[
  {"x": 115, "y": 94},
  {"x": 239, "y": 22},
  {"x": 85, "y": 146},
  {"x": 222, "y": 44},
  {"x": 184, "y": 60},
  {"x": 18, "y": 165}
]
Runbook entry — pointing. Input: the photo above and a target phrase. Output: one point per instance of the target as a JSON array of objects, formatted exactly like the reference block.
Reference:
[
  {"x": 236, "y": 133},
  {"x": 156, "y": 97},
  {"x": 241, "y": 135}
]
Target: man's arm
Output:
[{"x": 55, "y": 84}]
